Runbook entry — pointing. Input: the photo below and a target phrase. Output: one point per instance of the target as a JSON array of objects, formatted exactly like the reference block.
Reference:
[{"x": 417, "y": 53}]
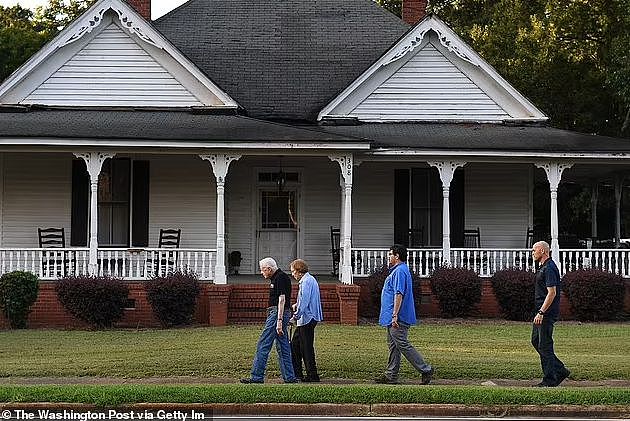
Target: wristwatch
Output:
[{"x": 542, "y": 313}]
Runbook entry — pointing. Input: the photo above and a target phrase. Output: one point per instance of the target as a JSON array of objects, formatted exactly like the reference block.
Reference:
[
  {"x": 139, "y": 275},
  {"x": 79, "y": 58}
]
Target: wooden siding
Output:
[
  {"x": 429, "y": 87},
  {"x": 37, "y": 193},
  {"x": 497, "y": 201},
  {"x": 112, "y": 70},
  {"x": 182, "y": 194}
]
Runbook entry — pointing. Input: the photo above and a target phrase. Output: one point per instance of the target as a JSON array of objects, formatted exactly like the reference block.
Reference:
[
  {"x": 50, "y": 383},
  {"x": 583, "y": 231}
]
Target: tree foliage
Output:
[{"x": 23, "y": 33}]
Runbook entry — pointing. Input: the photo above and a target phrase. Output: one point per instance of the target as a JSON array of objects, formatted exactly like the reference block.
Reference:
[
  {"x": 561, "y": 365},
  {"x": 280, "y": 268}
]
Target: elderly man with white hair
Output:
[
  {"x": 278, "y": 315},
  {"x": 547, "y": 301}
]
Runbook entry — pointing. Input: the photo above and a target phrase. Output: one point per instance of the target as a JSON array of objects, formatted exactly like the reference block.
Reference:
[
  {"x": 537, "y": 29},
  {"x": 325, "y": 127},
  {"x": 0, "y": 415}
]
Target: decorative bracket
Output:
[
  {"x": 94, "y": 162},
  {"x": 411, "y": 44},
  {"x": 446, "y": 170},
  {"x": 220, "y": 164},
  {"x": 554, "y": 172},
  {"x": 97, "y": 18},
  {"x": 346, "y": 163}
]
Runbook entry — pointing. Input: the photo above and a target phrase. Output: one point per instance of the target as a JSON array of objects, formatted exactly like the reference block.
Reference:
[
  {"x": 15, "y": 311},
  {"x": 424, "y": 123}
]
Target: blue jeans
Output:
[
  {"x": 542, "y": 340},
  {"x": 267, "y": 337}
]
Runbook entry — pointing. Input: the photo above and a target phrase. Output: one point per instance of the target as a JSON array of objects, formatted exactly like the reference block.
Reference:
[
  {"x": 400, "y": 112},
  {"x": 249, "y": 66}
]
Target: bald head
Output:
[{"x": 540, "y": 251}]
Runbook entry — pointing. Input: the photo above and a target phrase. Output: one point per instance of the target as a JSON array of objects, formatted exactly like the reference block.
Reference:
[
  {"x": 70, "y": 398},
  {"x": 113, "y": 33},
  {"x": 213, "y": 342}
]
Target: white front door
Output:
[{"x": 277, "y": 226}]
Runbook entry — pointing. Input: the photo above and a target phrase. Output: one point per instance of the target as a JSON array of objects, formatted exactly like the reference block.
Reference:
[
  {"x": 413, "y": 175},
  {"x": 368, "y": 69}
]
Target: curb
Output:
[{"x": 329, "y": 409}]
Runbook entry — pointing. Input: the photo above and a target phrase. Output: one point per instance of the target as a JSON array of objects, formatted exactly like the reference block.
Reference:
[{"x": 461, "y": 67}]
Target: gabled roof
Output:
[
  {"x": 431, "y": 75},
  {"x": 282, "y": 59},
  {"x": 110, "y": 56}
]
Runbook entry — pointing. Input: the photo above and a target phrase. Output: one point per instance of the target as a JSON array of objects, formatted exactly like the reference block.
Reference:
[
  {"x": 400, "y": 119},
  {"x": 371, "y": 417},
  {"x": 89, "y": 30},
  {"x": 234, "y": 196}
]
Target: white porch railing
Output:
[
  {"x": 610, "y": 260},
  {"x": 488, "y": 261},
  {"x": 131, "y": 264}
]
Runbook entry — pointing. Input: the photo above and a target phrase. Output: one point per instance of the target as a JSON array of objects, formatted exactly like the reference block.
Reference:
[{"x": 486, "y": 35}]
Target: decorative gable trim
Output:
[
  {"x": 457, "y": 51},
  {"x": 37, "y": 69}
]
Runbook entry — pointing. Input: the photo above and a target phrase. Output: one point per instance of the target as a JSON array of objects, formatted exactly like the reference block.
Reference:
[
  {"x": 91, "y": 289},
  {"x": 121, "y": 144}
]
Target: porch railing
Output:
[
  {"x": 488, "y": 261},
  {"x": 131, "y": 264},
  {"x": 610, "y": 260}
]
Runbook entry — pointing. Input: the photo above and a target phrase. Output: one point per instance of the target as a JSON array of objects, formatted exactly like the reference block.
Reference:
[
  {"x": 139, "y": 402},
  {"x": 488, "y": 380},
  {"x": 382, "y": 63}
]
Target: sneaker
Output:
[
  {"x": 427, "y": 376},
  {"x": 293, "y": 380},
  {"x": 385, "y": 380},
  {"x": 250, "y": 381},
  {"x": 566, "y": 373}
]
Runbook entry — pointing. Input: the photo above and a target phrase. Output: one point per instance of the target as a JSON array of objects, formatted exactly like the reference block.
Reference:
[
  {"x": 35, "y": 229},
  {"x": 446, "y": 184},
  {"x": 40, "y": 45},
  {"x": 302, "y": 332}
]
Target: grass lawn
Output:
[{"x": 468, "y": 350}]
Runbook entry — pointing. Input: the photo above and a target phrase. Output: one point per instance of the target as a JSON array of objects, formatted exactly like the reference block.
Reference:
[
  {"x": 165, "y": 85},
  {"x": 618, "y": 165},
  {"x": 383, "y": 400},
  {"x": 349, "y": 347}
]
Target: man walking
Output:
[
  {"x": 398, "y": 313},
  {"x": 307, "y": 313},
  {"x": 275, "y": 326},
  {"x": 547, "y": 300}
]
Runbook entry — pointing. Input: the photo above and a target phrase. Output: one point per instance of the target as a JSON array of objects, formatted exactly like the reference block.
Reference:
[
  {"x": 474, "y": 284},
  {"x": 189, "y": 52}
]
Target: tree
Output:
[{"x": 22, "y": 32}]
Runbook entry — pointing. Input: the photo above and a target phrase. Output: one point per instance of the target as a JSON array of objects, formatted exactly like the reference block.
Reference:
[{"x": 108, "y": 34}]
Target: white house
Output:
[{"x": 256, "y": 126}]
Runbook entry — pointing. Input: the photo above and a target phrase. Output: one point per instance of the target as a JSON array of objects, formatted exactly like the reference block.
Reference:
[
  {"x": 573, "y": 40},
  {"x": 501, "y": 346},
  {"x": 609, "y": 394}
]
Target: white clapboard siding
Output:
[
  {"x": 373, "y": 205},
  {"x": 182, "y": 196},
  {"x": 112, "y": 70},
  {"x": 497, "y": 201},
  {"x": 429, "y": 87},
  {"x": 37, "y": 193}
]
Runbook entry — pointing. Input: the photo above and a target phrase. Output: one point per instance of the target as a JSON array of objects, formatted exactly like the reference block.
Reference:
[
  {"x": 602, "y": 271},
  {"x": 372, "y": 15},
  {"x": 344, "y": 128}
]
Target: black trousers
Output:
[
  {"x": 542, "y": 340},
  {"x": 302, "y": 349}
]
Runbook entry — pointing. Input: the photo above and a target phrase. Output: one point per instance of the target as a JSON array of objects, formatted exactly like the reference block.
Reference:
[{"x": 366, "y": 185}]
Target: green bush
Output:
[
  {"x": 458, "y": 290},
  {"x": 370, "y": 295},
  {"x": 594, "y": 294},
  {"x": 18, "y": 292},
  {"x": 97, "y": 300},
  {"x": 173, "y": 298},
  {"x": 514, "y": 289}
]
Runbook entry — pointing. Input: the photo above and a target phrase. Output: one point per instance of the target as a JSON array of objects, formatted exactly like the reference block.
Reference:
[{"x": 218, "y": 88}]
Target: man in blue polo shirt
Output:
[
  {"x": 547, "y": 300},
  {"x": 397, "y": 314}
]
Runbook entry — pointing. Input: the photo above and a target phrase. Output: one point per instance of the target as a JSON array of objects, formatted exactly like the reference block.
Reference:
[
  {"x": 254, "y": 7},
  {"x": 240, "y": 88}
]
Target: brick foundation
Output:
[{"x": 242, "y": 304}]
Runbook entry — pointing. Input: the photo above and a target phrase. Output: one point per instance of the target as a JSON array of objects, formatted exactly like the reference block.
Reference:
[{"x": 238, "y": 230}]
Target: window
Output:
[
  {"x": 114, "y": 185},
  {"x": 278, "y": 209},
  {"x": 426, "y": 204}
]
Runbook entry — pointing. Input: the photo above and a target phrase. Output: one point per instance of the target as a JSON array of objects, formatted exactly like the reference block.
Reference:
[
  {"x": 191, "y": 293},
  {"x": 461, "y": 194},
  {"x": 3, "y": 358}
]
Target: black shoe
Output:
[
  {"x": 566, "y": 373},
  {"x": 311, "y": 379},
  {"x": 294, "y": 380},
  {"x": 543, "y": 384},
  {"x": 250, "y": 381},
  {"x": 385, "y": 380},
  {"x": 427, "y": 376}
]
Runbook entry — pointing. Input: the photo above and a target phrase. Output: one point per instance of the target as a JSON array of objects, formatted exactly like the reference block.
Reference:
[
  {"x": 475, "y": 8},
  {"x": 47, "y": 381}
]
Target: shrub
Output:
[
  {"x": 97, "y": 300},
  {"x": 18, "y": 292},
  {"x": 594, "y": 294},
  {"x": 370, "y": 296},
  {"x": 514, "y": 289},
  {"x": 458, "y": 290},
  {"x": 173, "y": 298}
]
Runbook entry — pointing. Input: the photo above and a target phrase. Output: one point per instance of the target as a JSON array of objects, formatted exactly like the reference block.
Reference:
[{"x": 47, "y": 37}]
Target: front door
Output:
[{"x": 277, "y": 226}]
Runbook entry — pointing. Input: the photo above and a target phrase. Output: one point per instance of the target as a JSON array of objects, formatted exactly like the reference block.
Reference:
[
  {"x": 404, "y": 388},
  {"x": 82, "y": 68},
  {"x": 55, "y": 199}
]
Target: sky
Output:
[{"x": 158, "y": 7}]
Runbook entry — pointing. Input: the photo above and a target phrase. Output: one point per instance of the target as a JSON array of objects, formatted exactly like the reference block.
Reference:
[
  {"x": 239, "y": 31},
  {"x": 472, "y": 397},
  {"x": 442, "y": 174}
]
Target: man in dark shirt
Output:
[
  {"x": 278, "y": 315},
  {"x": 547, "y": 300}
]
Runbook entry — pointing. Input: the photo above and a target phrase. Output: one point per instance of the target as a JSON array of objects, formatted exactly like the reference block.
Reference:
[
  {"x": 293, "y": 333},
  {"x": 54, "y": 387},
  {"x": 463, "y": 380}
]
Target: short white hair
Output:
[
  {"x": 268, "y": 262},
  {"x": 544, "y": 245}
]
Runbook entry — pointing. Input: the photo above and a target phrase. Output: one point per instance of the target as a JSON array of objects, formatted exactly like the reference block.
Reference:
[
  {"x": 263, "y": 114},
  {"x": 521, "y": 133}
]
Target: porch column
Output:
[
  {"x": 94, "y": 163},
  {"x": 342, "y": 219},
  {"x": 618, "y": 192},
  {"x": 554, "y": 174},
  {"x": 446, "y": 170},
  {"x": 594, "y": 199},
  {"x": 220, "y": 165},
  {"x": 346, "y": 164}
]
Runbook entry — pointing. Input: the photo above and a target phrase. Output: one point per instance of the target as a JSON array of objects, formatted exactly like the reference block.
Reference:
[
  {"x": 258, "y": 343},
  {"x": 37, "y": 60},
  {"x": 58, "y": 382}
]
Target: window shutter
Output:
[
  {"x": 140, "y": 204},
  {"x": 401, "y": 206},
  {"x": 80, "y": 204}
]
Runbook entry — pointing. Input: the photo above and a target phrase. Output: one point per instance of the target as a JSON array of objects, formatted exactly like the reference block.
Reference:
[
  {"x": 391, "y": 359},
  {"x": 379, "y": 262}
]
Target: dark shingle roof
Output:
[
  {"x": 282, "y": 59},
  {"x": 480, "y": 137},
  {"x": 154, "y": 125}
]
